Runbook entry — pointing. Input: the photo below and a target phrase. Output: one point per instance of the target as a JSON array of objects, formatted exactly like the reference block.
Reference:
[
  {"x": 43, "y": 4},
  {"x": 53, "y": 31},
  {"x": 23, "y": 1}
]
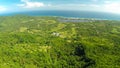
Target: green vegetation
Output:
[{"x": 46, "y": 42}]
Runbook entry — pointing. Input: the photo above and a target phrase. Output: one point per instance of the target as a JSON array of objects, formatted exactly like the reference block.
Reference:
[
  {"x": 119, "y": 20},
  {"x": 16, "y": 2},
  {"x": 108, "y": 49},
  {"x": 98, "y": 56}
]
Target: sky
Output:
[{"x": 110, "y": 6}]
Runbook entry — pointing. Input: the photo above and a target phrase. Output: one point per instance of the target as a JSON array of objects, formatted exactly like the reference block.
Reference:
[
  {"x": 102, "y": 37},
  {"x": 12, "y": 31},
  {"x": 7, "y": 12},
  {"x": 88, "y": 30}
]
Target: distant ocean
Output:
[{"x": 76, "y": 14}]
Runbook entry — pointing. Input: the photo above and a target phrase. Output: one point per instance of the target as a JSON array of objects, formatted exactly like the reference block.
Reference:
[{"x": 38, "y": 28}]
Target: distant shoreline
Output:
[{"x": 69, "y": 14}]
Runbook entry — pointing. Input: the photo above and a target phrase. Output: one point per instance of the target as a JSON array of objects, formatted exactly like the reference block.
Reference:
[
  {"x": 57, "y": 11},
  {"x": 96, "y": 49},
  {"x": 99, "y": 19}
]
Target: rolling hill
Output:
[{"x": 56, "y": 42}]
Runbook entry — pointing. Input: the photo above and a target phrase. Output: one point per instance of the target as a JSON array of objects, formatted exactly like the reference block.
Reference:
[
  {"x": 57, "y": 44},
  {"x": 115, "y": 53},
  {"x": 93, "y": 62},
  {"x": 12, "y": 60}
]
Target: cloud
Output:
[
  {"x": 113, "y": 7},
  {"x": 79, "y": 5},
  {"x": 107, "y": 2},
  {"x": 2, "y": 8},
  {"x": 106, "y": 6},
  {"x": 29, "y": 4}
]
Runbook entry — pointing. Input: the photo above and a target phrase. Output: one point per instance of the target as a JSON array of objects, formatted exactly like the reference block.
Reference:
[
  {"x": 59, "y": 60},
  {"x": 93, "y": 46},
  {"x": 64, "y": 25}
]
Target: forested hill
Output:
[{"x": 55, "y": 42}]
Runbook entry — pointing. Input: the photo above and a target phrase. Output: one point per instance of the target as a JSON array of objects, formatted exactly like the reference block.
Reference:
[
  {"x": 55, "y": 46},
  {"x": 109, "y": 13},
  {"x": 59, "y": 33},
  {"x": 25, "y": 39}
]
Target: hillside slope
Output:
[{"x": 47, "y": 42}]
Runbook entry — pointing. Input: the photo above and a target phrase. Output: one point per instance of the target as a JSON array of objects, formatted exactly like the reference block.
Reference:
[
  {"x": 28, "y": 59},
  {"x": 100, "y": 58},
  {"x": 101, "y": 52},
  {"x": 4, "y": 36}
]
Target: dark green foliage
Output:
[{"x": 46, "y": 42}]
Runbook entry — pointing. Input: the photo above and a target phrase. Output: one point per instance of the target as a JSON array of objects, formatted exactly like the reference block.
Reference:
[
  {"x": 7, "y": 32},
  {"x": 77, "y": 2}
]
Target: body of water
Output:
[{"x": 76, "y": 14}]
